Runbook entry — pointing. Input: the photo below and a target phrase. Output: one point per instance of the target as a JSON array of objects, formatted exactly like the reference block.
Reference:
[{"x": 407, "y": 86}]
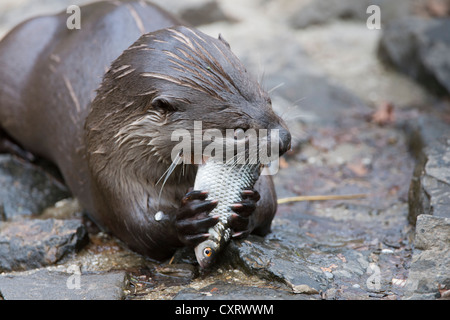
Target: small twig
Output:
[{"x": 321, "y": 198}]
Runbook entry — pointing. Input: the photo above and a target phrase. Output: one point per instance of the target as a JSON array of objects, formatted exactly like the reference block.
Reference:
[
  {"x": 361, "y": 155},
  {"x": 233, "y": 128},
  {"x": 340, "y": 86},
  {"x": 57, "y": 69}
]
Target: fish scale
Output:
[{"x": 224, "y": 183}]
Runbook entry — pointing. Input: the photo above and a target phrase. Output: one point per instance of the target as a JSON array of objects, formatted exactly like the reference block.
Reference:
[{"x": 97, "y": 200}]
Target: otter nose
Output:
[{"x": 285, "y": 140}]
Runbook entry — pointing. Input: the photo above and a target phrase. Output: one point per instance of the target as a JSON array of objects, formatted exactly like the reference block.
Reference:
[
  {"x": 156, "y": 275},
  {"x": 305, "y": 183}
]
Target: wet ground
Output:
[{"x": 357, "y": 128}]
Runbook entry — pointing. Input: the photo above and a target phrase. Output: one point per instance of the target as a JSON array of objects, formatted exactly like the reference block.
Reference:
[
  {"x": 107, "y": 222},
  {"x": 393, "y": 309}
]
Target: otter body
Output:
[
  {"x": 49, "y": 75},
  {"x": 101, "y": 103}
]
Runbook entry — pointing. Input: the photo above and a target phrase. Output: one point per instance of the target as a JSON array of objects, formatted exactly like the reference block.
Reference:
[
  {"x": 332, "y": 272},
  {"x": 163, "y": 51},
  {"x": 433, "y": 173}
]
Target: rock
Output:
[
  {"x": 425, "y": 129},
  {"x": 306, "y": 13},
  {"x": 318, "y": 253},
  {"x": 224, "y": 291},
  {"x": 26, "y": 189},
  {"x": 304, "y": 288},
  {"x": 178, "y": 274},
  {"x": 432, "y": 232},
  {"x": 279, "y": 258},
  {"x": 195, "y": 12},
  {"x": 279, "y": 263},
  {"x": 436, "y": 180},
  {"x": 430, "y": 187},
  {"x": 63, "y": 209},
  {"x": 36, "y": 243},
  {"x": 328, "y": 46},
  {"x": 431, "y": 259},
  {"x": 419, "y": 48},
  {"x": 43, "y": 284}
]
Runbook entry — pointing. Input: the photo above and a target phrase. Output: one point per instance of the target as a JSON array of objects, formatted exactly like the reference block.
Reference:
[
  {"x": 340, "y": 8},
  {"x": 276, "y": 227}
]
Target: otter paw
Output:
[
  {"x": 239, "y": 220},
  {"x": 193, "y": 220}
]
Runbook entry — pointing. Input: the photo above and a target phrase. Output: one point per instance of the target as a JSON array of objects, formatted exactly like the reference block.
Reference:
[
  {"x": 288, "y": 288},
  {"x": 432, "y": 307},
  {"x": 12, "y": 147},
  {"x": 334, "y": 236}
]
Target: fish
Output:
[{"x": 224, "y": 183}]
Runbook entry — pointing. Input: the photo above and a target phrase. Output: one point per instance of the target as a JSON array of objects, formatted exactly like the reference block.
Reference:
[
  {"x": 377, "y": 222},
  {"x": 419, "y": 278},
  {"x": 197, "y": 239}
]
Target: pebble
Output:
[{"x": 305, "y": 289}]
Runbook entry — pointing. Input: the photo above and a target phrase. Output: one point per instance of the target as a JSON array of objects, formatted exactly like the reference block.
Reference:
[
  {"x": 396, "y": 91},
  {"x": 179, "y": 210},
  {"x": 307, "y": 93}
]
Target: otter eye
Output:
[
  {"x": 239, "y": 134},
  {"x": 207, "y": 252},
  {"x": 163, "y": 103}
]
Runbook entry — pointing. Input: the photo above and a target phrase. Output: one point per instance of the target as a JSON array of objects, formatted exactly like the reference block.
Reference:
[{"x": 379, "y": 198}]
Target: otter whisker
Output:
[
  {"x": 284, "y": 113},
  {"x": 169, "y": 170},
  {"x": 167, "y": 174},
  {"x": 275, "y": 88},
  {"x": 283, "y": 107}
]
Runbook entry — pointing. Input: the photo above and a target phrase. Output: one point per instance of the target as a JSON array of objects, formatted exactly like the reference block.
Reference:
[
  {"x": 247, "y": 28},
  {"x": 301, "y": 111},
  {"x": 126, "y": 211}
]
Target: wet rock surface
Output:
[
  {"x": 307, "y": 13},
  {"x": 43, "y": 284},
  {"x": 436, "y": 178},
  {"x": 359, "y": 127},
  {"x": 224, "y": 291},
  {"x": 430, "y": 187},
  {"x": 418, "y": 47},
  {"x": 26, "y": 189},
  {"x": 429, "y": 277},
  {"x": 37, "y": 243},
  {"x": 195, "y": 12}
]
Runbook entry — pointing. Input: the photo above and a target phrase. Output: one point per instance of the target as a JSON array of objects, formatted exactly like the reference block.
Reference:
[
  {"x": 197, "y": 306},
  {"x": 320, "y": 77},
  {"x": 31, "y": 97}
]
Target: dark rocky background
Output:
[{"x": 369, "y": 111}]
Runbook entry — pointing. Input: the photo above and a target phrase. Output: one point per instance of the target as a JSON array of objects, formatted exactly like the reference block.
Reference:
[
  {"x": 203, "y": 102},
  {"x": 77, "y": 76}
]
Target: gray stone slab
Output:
[
  {"x": 43, "y": 284},
  {"x": 430, "y": 263},
  {"x": 37, "y": 243},
  {"x": 224, "y": 291},
  {"x": 26, "y": 189}
]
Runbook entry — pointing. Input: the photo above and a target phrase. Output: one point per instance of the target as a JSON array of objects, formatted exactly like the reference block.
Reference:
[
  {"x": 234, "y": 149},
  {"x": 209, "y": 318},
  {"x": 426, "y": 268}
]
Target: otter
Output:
[{"x": 101, "y": 103}]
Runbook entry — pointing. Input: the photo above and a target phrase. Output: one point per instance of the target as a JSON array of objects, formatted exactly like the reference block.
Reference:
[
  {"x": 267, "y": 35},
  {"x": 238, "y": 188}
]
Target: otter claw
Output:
[
  {"x": 239, "y": 220},
  {"x": 194, "y": 195},
  {"x": 193, "y": 220},
  {"x": 195, "y": 226},
  {"x": 251, "y": 194},
  {"x": 239, "y": 235},
  {"x": 194, "y": 240}
]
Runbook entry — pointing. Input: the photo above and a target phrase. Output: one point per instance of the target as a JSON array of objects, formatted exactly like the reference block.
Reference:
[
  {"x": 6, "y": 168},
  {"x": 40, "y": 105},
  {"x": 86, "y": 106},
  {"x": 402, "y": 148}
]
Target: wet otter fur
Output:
[{"x": 109, "y": 132}]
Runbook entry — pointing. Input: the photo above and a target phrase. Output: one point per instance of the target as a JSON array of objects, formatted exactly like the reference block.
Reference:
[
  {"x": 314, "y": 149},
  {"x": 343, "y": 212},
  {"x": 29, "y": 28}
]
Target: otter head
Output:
[{"x": 164, "y": 82}]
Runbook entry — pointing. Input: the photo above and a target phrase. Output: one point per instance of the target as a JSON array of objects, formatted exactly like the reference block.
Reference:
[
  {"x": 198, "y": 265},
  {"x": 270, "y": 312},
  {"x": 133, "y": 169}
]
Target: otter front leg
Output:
[
  {"x": 254, "y": 214},
  {"x": 193, "y": 220}
]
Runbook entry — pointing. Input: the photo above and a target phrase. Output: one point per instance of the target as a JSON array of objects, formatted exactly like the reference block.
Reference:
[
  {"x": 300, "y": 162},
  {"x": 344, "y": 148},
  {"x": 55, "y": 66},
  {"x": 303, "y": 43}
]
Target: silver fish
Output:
[{"x": 224, "y": 183}]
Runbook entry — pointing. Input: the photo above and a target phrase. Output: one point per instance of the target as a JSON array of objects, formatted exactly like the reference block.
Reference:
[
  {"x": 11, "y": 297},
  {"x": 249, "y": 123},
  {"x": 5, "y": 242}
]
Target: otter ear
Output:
[
  {"x": 225, "y": 42},
  {"x": 164, "y": 103}
]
